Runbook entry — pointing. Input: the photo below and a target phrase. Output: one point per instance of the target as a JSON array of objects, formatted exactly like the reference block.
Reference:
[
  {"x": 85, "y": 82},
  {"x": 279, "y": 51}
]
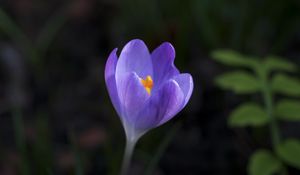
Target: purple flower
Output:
[{"x": 146, "y": 89}]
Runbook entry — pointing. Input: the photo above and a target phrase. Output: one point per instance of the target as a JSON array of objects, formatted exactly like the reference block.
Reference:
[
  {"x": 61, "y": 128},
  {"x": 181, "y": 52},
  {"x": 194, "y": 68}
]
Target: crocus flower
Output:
[{"x": 146, "y": 90}]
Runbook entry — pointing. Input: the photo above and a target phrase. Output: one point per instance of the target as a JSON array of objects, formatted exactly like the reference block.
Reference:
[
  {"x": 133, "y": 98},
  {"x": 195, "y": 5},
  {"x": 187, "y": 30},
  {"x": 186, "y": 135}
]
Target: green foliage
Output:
[
  {"x": 21, "y": 141},
  {"x": 12, "y": 30},
  {"x": 249, "y": 114},
  {"x": 263, "y": 162},
  {"x": 288, "y": 110},
  {"x": 232, "y": 58},
  {"x": 289, "y": 152},
  {"x": 34, "y": 50},
  {"x": 240, "y": 82},
  {"x": 274, "y": 63},
  {"x": 286, "y": 85},
  {"x": 43, "y": 153},
  {"x": 51, "y": 28}
]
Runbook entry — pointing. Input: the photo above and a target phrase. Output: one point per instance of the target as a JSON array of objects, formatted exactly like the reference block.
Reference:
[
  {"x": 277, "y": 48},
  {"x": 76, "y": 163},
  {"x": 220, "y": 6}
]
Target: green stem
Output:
[
  {"x": 263, "y": 73},
  {"x": 274, "y": 129},
  {"x": 127, "y": 156},
  {"x": 268, "y": 100}
]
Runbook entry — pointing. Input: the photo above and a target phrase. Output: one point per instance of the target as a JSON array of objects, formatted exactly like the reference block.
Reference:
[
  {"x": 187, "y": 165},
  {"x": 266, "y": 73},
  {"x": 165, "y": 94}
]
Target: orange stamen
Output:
[{"x": 147, "y": 83}]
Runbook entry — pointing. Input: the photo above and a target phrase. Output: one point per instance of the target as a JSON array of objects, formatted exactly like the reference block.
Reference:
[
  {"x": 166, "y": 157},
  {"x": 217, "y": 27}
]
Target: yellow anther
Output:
[{"x": 147, "y": 83}]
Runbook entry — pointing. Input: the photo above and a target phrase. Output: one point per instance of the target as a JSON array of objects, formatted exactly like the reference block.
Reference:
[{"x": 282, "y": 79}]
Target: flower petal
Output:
[
  {"x": 132, "y": 96},
  {"x": 163, "y": 64},
  {"x": 185, "y": 82},
  {"x": 109, "y": 74},
  {"x": 161, "y": 107},
  {"x": 135, "y": 57}
]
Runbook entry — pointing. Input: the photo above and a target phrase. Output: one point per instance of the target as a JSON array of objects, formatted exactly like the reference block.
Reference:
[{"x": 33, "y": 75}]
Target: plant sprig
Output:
[{"x": 269, "y": 77}]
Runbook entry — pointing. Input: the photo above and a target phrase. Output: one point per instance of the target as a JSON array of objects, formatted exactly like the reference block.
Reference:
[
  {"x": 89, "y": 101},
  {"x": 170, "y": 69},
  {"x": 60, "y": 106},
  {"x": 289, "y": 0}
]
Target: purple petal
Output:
[
  {"x": 163, "y": 64},
  {"x": 110, "y": 80},
  {"x": 135, "y": 57},
  {"x": 132, "y": 96},
  {"x": 161, "y": 107},
  {"x": 185, "y": 82}
]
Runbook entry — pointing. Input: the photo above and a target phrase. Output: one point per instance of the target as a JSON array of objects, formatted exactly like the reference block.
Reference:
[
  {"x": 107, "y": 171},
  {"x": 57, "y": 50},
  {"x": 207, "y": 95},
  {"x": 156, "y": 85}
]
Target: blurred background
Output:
[{"x": 55, "y": 113}]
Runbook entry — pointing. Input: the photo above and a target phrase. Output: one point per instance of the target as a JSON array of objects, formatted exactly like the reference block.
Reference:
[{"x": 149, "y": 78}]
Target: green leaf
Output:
[
  {"x": 50, "y": 30},
  {"x": 249, "y": 114},
  {"x": 278, "y": 63},
  {"x": 263, "y": 162},
  {"x": 11, "y": 29},
  {"x": 289, "y": 152},
  {"x": 286, "y": 85},
  {"x": 14, "y": 32},
  {"x": 288, "y": 110},
  {"x": 240, "y": 82},
  {"x": 21, "y": 141},
  {"x": 232, "y": 58}
]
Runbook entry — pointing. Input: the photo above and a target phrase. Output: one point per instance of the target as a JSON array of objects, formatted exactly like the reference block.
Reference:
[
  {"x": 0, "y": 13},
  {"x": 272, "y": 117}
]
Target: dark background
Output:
[{"x": 55, "y": 113}]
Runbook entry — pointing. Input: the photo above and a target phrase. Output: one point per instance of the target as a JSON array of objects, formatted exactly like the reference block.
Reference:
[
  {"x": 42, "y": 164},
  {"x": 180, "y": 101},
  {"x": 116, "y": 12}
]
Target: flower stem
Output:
[{"x": 127, "y": 156}]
